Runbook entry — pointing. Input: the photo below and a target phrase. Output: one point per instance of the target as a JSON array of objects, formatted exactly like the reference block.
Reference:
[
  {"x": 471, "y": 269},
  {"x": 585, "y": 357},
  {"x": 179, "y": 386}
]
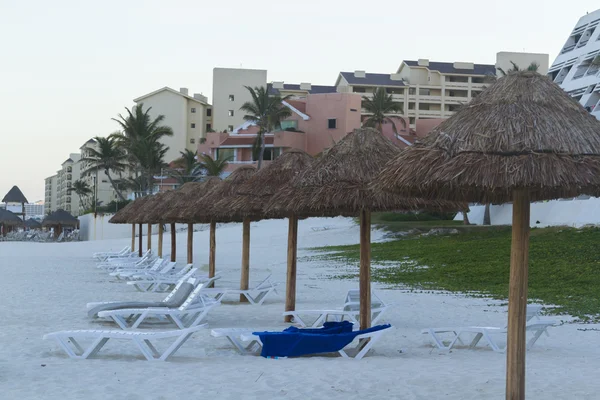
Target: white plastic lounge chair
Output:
[
  {"x": 110, "y": 262},
  {"x": 173, "y": 300},
  {"x": 103, "y": 255},
  {"x": 70, "y": 341},
  {"x": 255, "y": 296},
  {"x": 535, "y": 327},
  {"x": 125, "y": 273},
  {"x": 189, "y": 314},
  {"x": 127, "y": 263},
  {"x": 247, "y": 343},
  {"x": 164, "y": 283},
  {"x": 350, "y": 311}
]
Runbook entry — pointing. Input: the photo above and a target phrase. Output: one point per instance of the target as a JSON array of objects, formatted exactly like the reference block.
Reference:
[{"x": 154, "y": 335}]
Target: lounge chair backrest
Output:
[
  {"x": 168, "y": 266},
  {"x": 352, "y": 302},
  {"x": 533, "y": 311},
  {"x": 264, "y": 284},
  {"x": 185, "y": 270},
  {"x": 197, "y": 293},
  {"x": 179, "y": 297}
]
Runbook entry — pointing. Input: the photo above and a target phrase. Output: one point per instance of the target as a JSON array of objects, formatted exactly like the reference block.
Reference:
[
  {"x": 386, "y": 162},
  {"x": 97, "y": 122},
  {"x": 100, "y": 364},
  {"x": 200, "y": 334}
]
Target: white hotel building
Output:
[{"x": 575, "y": 70}]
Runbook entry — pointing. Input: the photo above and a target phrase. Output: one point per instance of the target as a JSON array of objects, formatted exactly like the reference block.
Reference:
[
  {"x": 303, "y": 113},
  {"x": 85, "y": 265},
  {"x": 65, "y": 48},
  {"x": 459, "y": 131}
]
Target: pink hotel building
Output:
[{"x": 318, "y": 121}]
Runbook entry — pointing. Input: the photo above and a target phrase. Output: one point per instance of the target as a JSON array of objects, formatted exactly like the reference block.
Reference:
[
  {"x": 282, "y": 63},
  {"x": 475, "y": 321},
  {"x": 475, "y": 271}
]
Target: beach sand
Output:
[{"x": 45, "y": 288}]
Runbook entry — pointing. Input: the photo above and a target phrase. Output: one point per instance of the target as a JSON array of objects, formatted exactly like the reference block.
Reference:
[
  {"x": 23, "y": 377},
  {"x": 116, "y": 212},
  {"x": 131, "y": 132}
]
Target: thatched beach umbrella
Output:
[
  {"x": 523, "y": 139},
  {"x": 180, "y": 204},
  {"x": 127, "y": 215},
  {"x": 8, "y": 219},
  {"x": 141, "y": 215},
  {"x": 204, "y": 211},
  {"x": 253, "y": 196},
  {"x": 338, "y": 183},
  {"x": 59, "y": 219}
]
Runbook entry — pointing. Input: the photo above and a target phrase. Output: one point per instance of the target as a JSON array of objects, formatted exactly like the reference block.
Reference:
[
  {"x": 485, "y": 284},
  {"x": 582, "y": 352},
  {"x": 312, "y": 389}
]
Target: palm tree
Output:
[
  {"x": 380, "y": 106},
  {"x": 213, "y": 167},
  {"x": 107, "y": 156},
  {"x": 534, "y": 66},
  {"x": 140, "y": 135},
  {"x": 187, "y": 168},
  {"x": 82, "y": 190},
  {"x": 266, "y": 111}
]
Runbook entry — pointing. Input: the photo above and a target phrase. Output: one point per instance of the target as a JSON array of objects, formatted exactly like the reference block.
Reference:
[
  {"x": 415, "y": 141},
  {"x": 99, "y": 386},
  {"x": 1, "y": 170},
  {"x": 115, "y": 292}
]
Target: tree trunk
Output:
[
  {"x": 465, "y": 218},
  {"x": 292, "y": 252},
  {"x": 149, "y": 236},
  {"x": 517, "y": 297},
  {"x": 486, "y": 215},
  {"x": 261, "y": 153},
  {"x": 113, "y": 185},
  {"x": 365, "y": 269},
  {"x": 212, "y": 252},
  {"x": 245, "y": 275}
]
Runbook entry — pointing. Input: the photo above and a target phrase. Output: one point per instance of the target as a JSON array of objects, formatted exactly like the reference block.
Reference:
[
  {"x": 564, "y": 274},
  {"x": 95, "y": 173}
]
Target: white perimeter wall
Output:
[
  {"x": 99, "y": 228},
  {"x": 574, "y": 213}
]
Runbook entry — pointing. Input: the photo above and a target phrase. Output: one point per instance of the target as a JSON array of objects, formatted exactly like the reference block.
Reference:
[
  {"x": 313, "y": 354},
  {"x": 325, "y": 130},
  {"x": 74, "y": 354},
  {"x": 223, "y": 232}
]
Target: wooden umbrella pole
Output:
[
  {"x": 140, "y": 240},
  {"x": 212, "y": 252},
  {"x": 292, "y": 252},
  {"x": 160, "y": 239},
  {"x": 190, "y": 244},
  {"x": 517, "y": 297},
  {"x": 149, "y": 236},
  {"x": 245, "y": 276},
  {"x": 132, "y": 238},
  {"x": 173, "y": 244},
  {"x": 365, "y": 269}
]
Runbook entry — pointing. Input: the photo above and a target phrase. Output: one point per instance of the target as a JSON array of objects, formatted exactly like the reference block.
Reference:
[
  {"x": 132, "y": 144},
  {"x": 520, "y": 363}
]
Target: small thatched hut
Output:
[
  {"x": 15, "y": 200},
  {"x": 522, "y": 139},
  {"x": 8, "y": 221},
  {"x": 33, "y": 224},
  {"x": 60, "y": 219}
]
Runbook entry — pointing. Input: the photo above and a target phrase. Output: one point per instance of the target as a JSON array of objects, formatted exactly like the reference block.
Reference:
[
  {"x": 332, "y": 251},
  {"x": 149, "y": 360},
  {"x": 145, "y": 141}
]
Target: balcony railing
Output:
[
  {"x": 456, "y": 84},
  {"x": 583, "y": 43},
  {"x": 432, "y": 113},
  {"x": 436, "y": 99},
  {"x": 568, "y": 48}
]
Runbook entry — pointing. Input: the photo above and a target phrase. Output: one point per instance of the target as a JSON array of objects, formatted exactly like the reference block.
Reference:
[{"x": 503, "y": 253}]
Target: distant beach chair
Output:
[
  {"x": 189, "y": 314},
  {"x": 296, "y": 342},
  {"x": 256, "y": 296},
  {"x": 103, "y": 255},
  {"x": 535, "y": 326},
  {"x": 70, "y": 341},
  {"x": 350, "y": 311}
]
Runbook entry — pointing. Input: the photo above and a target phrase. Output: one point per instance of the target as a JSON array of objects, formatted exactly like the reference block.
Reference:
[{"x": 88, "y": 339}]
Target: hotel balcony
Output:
[
  {"x": 430, "y": 113},
  {"x": 456, "y": 100},
  {"x": 454, "y": 84}
]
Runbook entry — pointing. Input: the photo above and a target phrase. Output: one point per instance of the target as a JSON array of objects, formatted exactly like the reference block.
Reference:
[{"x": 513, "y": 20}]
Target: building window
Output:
[
  {"x": 412, "y": 90},
  {"x": 208, "y": 127},
  {"x": 192, "y": 141},
  {"x": 358, "y": 90},
  {"x": 231, "y": 97},
  {"x": 224, "y": 154},
  {"x": 230, "y": 128},
  {"x": 411, "y": 120},
  {"x": 193, "y": 110},
  {"x": 289, "y": 124},
  {"x": 193, "y": 126},
  {"x": 230, "y": 112},
  {"x": 332, "y": 123},
  {"x": 411, "y": 106},
  {"x": 209, "y": 112}
]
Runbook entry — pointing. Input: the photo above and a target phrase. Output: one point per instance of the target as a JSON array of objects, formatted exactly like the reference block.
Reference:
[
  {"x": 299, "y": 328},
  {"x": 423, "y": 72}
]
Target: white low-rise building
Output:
[{"x": 577, "y": 67}]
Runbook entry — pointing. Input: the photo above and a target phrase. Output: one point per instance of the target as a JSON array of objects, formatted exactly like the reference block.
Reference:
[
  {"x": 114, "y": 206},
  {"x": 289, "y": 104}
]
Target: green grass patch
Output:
[{"x": 564, "y": 266}]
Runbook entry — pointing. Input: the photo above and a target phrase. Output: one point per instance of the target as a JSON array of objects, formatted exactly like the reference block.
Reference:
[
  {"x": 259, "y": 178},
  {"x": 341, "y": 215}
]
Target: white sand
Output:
[{"x": 45, "y": 288}]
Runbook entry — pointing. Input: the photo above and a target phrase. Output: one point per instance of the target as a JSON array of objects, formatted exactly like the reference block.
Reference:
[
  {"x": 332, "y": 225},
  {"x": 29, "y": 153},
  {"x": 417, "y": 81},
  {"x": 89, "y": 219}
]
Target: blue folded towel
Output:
[{"x": 294, "y": 342}]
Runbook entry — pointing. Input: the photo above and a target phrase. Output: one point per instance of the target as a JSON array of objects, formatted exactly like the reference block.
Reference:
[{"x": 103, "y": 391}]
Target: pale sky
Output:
[{"x": 68, "y": 67}]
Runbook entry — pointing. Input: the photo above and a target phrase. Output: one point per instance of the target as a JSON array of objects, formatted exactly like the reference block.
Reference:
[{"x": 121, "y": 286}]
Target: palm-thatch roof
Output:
[
  {"x": 142, "y": 214},
  {"x": 60, "y": 217},
  {"x": 522, "y": 132},
  {"x": 181, "y": 205},
  {"x": 203, "y": 210},
  {"x": 253, "y": 195},
  {"x": 338, "y": 183},
  {"x": 9, "y": 219},
  {"x": 33, "y": 224},
  {"x": 127, "y": 214},
  {"x": 14, "y": 195}
]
